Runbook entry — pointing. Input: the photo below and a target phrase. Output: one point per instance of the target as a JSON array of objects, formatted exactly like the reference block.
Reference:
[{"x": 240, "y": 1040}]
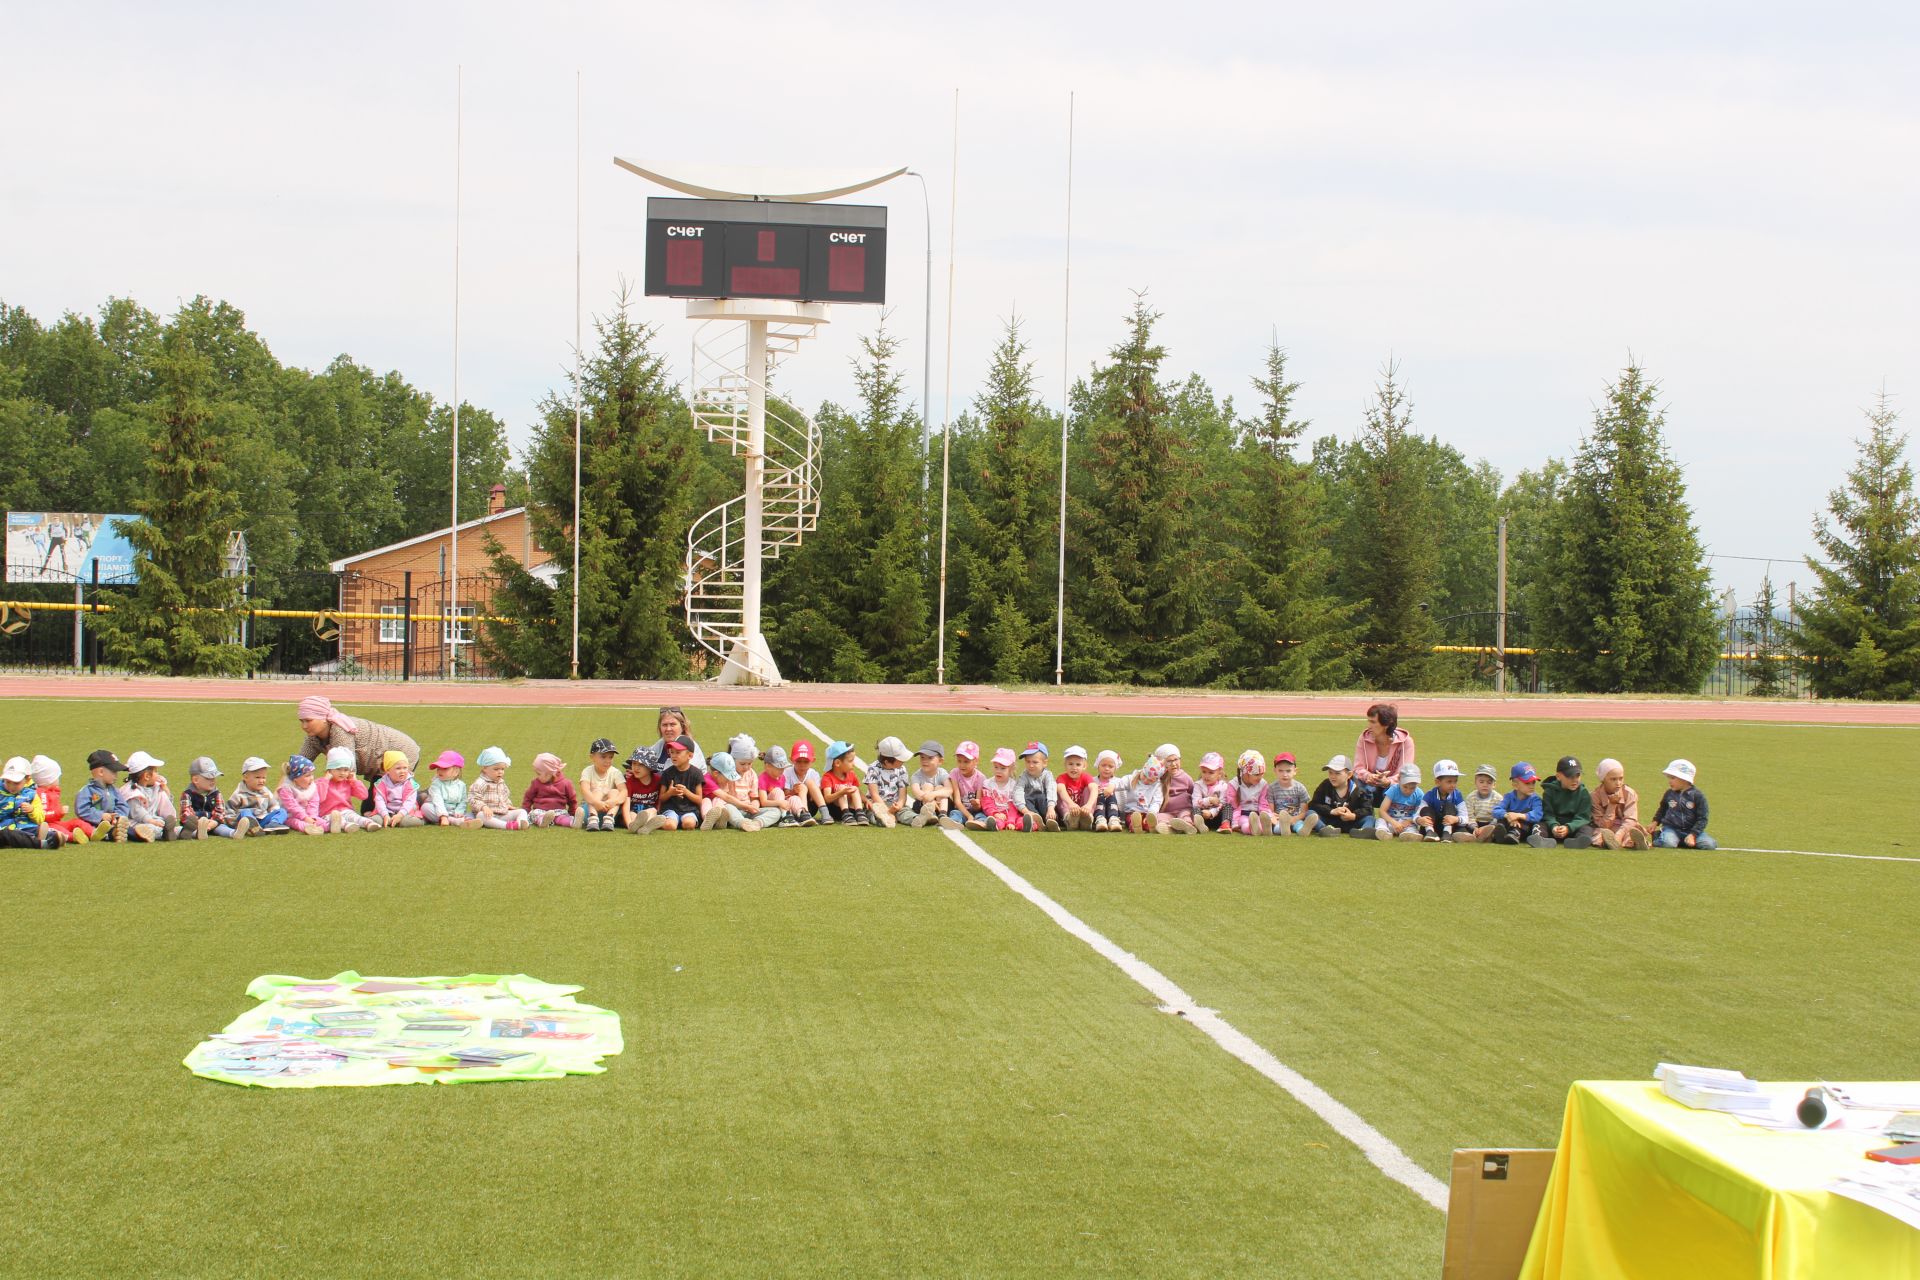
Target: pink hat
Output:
[
  {"x": 316, "y": 707},
  {"x": 968, "y": 750},
  {"x": 547, "y": 762},
  {"x": 449, "y": 760},
  {"x": 1212, "y": 760},
  {"x": 1003, "y": 756}
]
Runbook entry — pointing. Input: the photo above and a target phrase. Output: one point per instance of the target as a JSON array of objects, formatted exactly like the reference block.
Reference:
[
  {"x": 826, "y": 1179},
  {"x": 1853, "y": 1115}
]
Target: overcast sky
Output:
[{"x": 1507, "y": 199}]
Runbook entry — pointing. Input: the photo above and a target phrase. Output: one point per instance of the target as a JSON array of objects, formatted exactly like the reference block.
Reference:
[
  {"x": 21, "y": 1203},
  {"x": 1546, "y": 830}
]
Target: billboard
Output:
[{"x": 63, "y": 546}]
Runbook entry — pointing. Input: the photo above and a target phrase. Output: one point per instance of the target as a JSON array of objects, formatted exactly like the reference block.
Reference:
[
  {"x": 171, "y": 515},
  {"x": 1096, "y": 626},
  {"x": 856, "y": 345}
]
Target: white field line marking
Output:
[
  {"x": 1807, "y": 853},
  {"x": 825, "y": 738},
  {"x": 1376, "y": 1146}
]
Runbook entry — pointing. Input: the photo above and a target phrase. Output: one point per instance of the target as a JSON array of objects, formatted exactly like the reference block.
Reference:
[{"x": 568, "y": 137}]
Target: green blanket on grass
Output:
[{"x": 350, "y": 1030}]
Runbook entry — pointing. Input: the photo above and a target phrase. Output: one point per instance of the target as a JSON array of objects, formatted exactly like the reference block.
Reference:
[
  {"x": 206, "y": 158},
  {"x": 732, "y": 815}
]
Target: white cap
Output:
[
  {"x": 46, "y": 770},
  {"x": 1340, "y": 763},
  {"x": 1164, "y": 750},
  {"x": 1682, "y": 769},
  {"x": 1445, "y": 769},
  {"x": 340, "y": 758},
  {"x": 16, "y": 769},
  {"x": 251, "y": 763},
  {"x": 141, "y": 760},
  {"x": 1071, "y": 752},
  {"x": 1106, "y": 756},
  {"x": 1607, "y": 766},
  {"x": 1409, "y": 772},
  {"x": 892, "y": 748}
]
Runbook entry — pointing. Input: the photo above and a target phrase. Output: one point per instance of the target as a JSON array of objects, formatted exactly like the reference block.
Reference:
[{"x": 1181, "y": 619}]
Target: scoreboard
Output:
[{"x": 803, "y": 252}]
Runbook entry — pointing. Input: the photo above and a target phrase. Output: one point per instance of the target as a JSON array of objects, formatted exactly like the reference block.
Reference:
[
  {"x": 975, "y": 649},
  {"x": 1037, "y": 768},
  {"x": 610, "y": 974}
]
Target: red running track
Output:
[{"x": 965, "y": 698}]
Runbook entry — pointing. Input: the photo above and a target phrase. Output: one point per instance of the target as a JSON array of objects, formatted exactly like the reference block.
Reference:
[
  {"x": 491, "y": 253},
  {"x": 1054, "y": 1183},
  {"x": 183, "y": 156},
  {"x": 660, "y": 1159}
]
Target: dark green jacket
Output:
[{"x": 1563, "y": 808}]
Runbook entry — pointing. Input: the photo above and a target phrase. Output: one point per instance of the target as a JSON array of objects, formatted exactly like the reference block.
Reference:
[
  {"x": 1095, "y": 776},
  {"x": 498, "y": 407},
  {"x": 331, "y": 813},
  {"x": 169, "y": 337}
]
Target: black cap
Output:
[
  {"x": 684, "y": 743},
  {"x": 600, "y": 746},
  {"x": 105, "y": 759},
  {"x": 1568, "y": 766}
]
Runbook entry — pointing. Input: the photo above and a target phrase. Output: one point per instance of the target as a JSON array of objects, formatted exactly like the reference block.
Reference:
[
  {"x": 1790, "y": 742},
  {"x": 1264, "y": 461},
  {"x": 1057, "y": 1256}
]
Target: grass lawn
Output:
[{"x": 857, "y": 1053}]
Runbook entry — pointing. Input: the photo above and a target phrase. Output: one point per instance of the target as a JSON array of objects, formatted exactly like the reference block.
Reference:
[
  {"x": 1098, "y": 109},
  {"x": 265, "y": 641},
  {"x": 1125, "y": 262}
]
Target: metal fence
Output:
[{"x": 310, "y": 624}]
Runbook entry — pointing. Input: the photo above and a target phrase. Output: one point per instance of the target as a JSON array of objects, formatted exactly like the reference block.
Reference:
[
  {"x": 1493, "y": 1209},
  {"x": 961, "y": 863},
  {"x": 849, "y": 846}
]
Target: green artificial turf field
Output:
[{"x": 856, "y": 1052}]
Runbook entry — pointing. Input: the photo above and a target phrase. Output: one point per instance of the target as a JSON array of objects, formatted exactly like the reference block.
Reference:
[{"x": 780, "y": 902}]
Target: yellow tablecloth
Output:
[{"x": 1644, "y": 1187}]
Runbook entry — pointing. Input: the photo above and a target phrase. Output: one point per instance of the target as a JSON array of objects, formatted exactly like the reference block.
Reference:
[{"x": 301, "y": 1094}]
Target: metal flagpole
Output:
[
  {"x": 946, "y": 428},
  {"x": 926, "y": 345},
  {"x": 451, "y": 596},
  {"x": 576, "y": 374},
  {"x": 1066, "y": 396}
]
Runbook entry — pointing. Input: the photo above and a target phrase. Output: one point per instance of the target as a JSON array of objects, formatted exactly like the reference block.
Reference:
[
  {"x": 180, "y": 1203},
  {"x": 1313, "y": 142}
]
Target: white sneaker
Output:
[{"x": 716, "y": 816}]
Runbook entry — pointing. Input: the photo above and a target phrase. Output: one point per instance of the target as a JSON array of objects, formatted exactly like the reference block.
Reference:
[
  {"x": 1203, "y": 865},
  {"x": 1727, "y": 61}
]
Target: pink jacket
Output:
[
  {"x": 303, "y": 807},
  {"x": 1366, "y": 751},
  {"x": 335, "y": 796}
]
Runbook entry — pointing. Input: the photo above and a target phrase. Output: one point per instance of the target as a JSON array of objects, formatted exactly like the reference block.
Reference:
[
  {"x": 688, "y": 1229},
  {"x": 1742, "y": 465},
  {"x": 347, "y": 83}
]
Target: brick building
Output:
[{"x": 383, "y": 582}]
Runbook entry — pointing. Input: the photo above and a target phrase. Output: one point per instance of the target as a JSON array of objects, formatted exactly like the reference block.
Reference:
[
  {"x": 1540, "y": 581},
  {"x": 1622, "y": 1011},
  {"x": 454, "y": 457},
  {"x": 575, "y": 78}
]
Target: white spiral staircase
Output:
[{"x": 721, "y": 390}]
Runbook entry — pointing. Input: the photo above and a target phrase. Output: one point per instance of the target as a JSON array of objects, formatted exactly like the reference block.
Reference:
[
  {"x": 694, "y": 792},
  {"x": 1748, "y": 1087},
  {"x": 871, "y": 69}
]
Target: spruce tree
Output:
[
  {"x": 639, "y": 452},
  {"x": 1624, "y": 604},
  {"x": 1129, "y": 610},
  {"x": 1292, "y": 633},
  {"x": 1762, "y": 638},
  {"x": 182, "y": 616},
  {"x": 1002, "y": 528},
  {"x": 1392, "y": 565},
  {"x": 853, "y": 602},
  {"x": 1861, "y": 628}
]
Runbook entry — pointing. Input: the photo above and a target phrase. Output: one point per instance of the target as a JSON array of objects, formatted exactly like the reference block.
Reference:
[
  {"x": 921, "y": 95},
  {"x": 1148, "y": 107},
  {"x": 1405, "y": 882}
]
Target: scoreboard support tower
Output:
[{"x": 769, "y": 259}]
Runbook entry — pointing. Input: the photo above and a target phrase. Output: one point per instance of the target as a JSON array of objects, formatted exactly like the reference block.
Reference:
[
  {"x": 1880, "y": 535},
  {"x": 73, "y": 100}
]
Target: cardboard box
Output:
[{"x": 1492, "y": 1204}]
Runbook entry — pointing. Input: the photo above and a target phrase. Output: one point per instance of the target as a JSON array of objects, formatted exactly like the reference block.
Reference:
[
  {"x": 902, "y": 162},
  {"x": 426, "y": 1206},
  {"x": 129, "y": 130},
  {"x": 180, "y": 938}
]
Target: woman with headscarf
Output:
[
  {"x": 673, "y": 724},
  {"x": 327, "y": 728}
]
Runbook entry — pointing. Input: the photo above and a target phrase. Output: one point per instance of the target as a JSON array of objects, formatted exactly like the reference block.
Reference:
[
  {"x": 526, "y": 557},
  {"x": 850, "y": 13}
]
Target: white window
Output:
[
  {"x": 458, "y": 629},
  {"x": 393, "y": 624}
]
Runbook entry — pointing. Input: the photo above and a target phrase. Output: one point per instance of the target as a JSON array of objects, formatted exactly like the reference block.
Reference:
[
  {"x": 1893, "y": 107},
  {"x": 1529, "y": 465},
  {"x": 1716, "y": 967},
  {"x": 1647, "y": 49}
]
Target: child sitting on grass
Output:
[
  {"x": 840, "y": 787},
  {"x": 966, "y": 780},
  {"x": 1479, "y": 804},
  {"x": 1250, "y": 812},
  {"x": 801, "y": 782},
  {"x": 205, "y": 809},
  {"x": 1443, "y": 812},
  {"x": 98, "y": 800},
  {"x": 148, "y": 803},
  {"x": 887, "y": 796},
  {"x": 46, "y": 784},
  {"x": 603, "y": 791},
  {"x": 341, "y": 793},
  {"x": 730, "y": 802},
  {"x": 1341, "y": 806},
  {"x": 396, "y": 797},
  {"x": 550, "y": 799},
  {"x": 929, "y": 791},
  {"x": 643, "y": 791},
  {"x": 489, "y": 802},
  {"x": 1288, "y": 797},
  {"x": 1680, "y": 819},
  {"x": 1037, "y": 795},
  {"x": 20, "y": 826},
  {"x": 1517, "y": 816},
  {"x": 1143, "y": 797},
  {"x": 1399, "y": 817},
  {"x": 1109, "y": 793},
  {"x": 1616, "y": 811},
  {"x": 254, "y": 802},
  {"x": 1566, "y": 808},
  {"x": 446, "y": 802},
  {"x": 1074, "y": 786},
  {"x": 683, "y": 787},
  {"x": 999, "y": 803},
  {"x": 300, "y": 796},
  {"x": 1213, "y": 795}
]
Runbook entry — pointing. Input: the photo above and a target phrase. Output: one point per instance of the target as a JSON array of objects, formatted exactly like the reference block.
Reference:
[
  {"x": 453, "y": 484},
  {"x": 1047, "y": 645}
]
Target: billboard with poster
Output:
[{"x": 64, "y": 546}]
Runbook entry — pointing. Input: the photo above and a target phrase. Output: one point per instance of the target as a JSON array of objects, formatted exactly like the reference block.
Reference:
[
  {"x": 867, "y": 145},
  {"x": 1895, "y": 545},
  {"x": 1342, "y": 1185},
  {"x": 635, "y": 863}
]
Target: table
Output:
[{"x": 1644, "y": 1187}]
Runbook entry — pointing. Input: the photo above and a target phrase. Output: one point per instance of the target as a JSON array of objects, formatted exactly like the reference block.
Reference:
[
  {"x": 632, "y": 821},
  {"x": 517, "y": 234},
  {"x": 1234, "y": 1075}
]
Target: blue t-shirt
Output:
[{"x": 1400, "y": 806}]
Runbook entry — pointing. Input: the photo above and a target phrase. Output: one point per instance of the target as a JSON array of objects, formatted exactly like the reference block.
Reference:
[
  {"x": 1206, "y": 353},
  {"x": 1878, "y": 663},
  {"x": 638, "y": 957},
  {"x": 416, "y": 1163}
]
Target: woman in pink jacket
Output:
[{"x": 1383, "y": 747}]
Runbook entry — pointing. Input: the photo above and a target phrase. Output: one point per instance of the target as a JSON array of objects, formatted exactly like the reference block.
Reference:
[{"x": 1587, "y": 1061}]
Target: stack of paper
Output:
[
  {"x": 1711, "y": 1088},
  {"x": 1890, "y": 1188}
]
